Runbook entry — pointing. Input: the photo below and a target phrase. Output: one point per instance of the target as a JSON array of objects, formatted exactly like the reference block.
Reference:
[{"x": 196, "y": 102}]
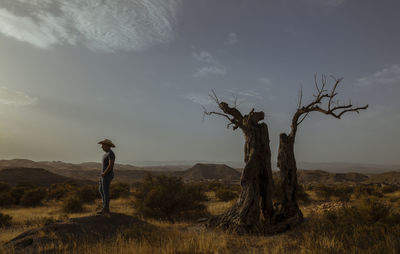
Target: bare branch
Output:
[
  {"x": 300, "y": 97},
  {"x": 333, "y": 108}
]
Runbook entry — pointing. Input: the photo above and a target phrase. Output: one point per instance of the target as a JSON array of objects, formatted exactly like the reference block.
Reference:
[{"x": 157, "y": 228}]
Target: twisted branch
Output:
[{"x": 332, "y": 108}]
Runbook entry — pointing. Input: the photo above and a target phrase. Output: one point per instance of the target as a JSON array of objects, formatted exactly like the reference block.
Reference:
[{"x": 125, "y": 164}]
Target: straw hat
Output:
[{"x": 106, "y": 142}]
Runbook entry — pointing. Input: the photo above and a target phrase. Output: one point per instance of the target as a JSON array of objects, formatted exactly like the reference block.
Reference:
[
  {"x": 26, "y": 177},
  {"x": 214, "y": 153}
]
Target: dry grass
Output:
[{"x": 317, "y": 235}]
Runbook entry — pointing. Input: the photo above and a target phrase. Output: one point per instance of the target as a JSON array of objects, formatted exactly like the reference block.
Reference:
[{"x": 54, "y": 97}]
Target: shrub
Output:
[
  {"x": 4, "y": 187},
  {"x": 17, "y": 194},
  {"x": 225, "y": 194},
  {"x": 5, "y": 220},
  {"x": 168, "y": 198},
  {"x": 72, "y": 204},
  {"x": 302, "y": 194},
  {"x": 119, "y": 190},
  {"x": 58, "y": 191},
  {"x": 6, "y": 199},
  {"x": 87, "y": 194},
  {"x": 33, "y": 197},
  {"x": 389, "y": 188},
  {"x": 326, "y": 192},
  {"x": 366, "y": 190},
  {"x": 215, "y": 186},
  {"x": 19, "y": 191},
  {"x": 369, "y": 226}
]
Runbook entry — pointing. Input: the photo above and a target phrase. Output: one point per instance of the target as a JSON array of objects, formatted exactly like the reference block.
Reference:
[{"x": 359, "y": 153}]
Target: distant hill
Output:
[
  {"x": 59, "y": 165},
  {"x": 342, "y": 167},
  {"x": 387, "y": 177},
  {"x": 324, "y": 172},
  {"x": 37, "y": 176},
  {"x": 204, "y": 172},
  {"x": 320, "y": 176}
]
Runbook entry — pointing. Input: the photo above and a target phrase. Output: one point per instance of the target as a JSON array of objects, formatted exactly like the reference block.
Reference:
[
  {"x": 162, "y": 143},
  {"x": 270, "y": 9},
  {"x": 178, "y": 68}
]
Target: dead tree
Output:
[
  {"x": 324, "y": 102},
  {"x": 254, "y": 207}
]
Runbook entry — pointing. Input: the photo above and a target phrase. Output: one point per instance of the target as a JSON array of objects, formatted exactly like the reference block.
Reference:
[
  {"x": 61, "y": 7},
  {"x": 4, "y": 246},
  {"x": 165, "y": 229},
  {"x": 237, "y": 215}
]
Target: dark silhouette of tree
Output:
[
  {"x": 254, "y": 207},
  {"x": 324, "y": 102},
  {"x": 254, "y": 211}
]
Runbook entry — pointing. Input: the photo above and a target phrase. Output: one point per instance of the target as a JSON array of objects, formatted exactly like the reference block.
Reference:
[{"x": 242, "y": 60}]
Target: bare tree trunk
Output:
[
  {"x": 289, "y": 211},
  {"x": 256, "y": 182},
  {"x": 254, "y": 207}
]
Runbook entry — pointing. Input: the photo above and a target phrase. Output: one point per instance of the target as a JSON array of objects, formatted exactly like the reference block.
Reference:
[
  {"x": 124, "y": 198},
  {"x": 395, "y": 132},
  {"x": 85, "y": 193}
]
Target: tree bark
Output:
[
  {"x": 289, "y": 211},
  {"x": 254, "y": 206}
]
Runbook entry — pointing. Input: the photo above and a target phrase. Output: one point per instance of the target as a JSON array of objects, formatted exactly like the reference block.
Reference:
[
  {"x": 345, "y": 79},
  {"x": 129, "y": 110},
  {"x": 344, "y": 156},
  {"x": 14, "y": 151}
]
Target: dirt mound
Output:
[
  {"x": 205, "y": 172},
  {"x": 37, "y": 176},
  {"x": 90, "y": 228}
]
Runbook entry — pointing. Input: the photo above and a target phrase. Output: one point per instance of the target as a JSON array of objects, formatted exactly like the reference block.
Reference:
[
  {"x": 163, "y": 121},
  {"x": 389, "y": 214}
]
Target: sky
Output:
[{"x": 139, "y": 71}]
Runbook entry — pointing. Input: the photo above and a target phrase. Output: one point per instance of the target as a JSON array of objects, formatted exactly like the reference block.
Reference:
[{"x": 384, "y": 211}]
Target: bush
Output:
[
  {"x": 58, "y": 191},
  {"x": 369, "y": 226},
  {"x": 21, "y": 189},
  {"x": 326, "y": 192},
  {"x": 119, "y": 190},
  {"x": 215, "y": 186},
  {"x": 225, "y": 194},
  {"x": 168, "y": 198},
  {"x": 389, "y": 188},
  {"x": 302, "y": 194},
  {"x": 17, "y": 194},
  {"x": 367, "y": 190},
  {"x": 87, "y": 194},
  {"x": 4, "y": 187},
  {"x": 72, "y": 204},
  {"x": 33, "y": 197},
  {"x": 5, "y": 220},
  {"x": 6, "y": 199}
]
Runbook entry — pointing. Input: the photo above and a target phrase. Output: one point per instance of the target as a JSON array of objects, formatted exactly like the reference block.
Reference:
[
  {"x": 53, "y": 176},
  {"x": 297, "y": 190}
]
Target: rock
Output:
[
  {"x": 90, "y": 228},
  {"x": 202, "y": 220}
]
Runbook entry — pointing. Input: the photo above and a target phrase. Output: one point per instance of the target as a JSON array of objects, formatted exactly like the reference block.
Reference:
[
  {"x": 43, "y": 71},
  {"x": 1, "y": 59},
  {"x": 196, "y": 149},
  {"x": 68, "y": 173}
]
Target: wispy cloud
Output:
[
  {"x": 332, "y": 3},
  {"x": 15, "y": 98},
  {"x": 198, "y": 98},
  {"x": 105, "y": 25},
  {"x": 207, "y": 71},
  {"x": 214, "y": 68},
  {"x": 232, "y": 39},
  {"x": 204, "y": 56},
  {"x": 264, "y": 80},
  {"x": 246, "y": 93},
  {"x": 386, "y": 76}
]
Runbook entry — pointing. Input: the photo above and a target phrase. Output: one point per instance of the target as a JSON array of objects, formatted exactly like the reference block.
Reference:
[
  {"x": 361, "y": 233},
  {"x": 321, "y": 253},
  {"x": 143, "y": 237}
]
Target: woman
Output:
[{"x": 107, "y": 174}]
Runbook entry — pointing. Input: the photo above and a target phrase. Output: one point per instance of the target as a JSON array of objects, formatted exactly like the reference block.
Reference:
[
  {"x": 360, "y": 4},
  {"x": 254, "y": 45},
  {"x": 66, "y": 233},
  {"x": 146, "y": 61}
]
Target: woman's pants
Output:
[{"x": 104, "y": 188}]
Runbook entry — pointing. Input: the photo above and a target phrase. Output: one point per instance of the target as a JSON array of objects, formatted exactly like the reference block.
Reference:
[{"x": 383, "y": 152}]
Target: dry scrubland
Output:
[{"x": 339, "y": 219}]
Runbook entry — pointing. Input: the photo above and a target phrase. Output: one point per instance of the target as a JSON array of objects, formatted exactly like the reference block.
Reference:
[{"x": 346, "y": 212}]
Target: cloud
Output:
[
  {"x": 246, "y": 93},
  {"x": 15, "y": 98},
  {"x": 214, "y": 68},
  {"x": 386, "y": 76},
  {"x": 207, "y": 71},
  {"x": 204, "y": 56},
  {"x": 198, "y": 98},
  {"x": 264, "y": 80},
  {"x": 105, "y": 25},
  {"x": 333, "y": 3},
  {"x": 232, "y": 39}
]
